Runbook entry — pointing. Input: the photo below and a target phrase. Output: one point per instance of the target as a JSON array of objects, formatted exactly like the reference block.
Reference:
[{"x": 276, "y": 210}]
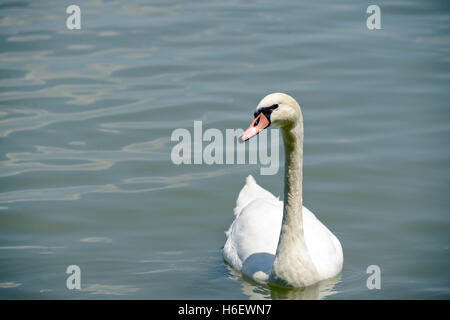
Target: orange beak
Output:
[{"x": 258, "y": 124}]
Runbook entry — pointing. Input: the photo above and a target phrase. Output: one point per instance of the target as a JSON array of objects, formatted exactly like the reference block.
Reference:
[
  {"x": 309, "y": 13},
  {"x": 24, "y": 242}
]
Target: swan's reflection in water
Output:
[{"x": 260, "y": 291}]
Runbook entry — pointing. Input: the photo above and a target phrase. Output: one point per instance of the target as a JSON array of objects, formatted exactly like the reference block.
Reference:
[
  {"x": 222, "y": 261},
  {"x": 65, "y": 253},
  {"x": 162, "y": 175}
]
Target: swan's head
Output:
[{"x": 276, "y": 109}]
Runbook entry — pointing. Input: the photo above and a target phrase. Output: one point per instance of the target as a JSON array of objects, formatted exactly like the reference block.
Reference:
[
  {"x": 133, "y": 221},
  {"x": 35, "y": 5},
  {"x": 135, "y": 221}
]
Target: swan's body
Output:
[
  {"x": 253, "y": 236},
  {"x": 282, "y": 243}
]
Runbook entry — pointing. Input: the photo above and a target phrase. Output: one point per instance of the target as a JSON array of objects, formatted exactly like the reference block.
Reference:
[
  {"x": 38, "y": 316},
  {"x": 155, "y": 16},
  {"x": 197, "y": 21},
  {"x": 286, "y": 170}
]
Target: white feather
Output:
[{"x": 252, "y": 238}]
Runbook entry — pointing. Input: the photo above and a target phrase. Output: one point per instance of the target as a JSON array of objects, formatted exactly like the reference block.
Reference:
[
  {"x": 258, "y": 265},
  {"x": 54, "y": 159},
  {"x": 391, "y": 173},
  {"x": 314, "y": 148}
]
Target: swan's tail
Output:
[{"x": 251, "y": 191}]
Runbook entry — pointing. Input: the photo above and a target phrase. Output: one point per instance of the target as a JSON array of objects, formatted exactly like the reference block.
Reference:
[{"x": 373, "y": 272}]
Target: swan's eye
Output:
[{"x": 266, "y": 111}]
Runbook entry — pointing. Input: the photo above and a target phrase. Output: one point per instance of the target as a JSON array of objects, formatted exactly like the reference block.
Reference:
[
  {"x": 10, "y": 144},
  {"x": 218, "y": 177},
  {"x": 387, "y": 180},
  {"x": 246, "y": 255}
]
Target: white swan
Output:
[{"x": 282, "y": 243}]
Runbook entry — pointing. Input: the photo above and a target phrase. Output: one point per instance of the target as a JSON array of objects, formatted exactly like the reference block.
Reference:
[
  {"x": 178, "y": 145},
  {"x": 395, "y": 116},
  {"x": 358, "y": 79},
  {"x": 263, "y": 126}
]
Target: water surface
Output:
[{"x": 86, "y": 118}]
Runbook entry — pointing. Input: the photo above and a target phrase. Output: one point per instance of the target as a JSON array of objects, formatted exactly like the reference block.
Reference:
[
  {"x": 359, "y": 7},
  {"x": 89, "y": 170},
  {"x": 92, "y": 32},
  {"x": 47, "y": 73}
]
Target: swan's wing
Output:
[
  {"x": 251, "y": 191},
  {"x": 324, "y": 248},
  {"x": 252, "y": 238}
]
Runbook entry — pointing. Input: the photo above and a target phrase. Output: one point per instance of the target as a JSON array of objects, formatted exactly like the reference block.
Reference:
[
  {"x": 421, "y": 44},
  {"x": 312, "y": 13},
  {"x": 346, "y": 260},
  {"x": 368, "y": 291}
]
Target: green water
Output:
[{"x": 86, "y": 117}]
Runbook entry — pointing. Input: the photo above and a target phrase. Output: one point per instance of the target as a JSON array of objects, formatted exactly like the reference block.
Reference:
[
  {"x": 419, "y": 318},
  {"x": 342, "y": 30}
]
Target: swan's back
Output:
[{"x": 252, "y": 238}]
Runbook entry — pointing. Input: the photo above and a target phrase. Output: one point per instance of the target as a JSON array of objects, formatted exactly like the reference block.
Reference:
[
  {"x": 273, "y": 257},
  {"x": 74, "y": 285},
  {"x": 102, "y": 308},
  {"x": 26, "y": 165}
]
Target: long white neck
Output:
[{"x": 293, "y": 265}]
